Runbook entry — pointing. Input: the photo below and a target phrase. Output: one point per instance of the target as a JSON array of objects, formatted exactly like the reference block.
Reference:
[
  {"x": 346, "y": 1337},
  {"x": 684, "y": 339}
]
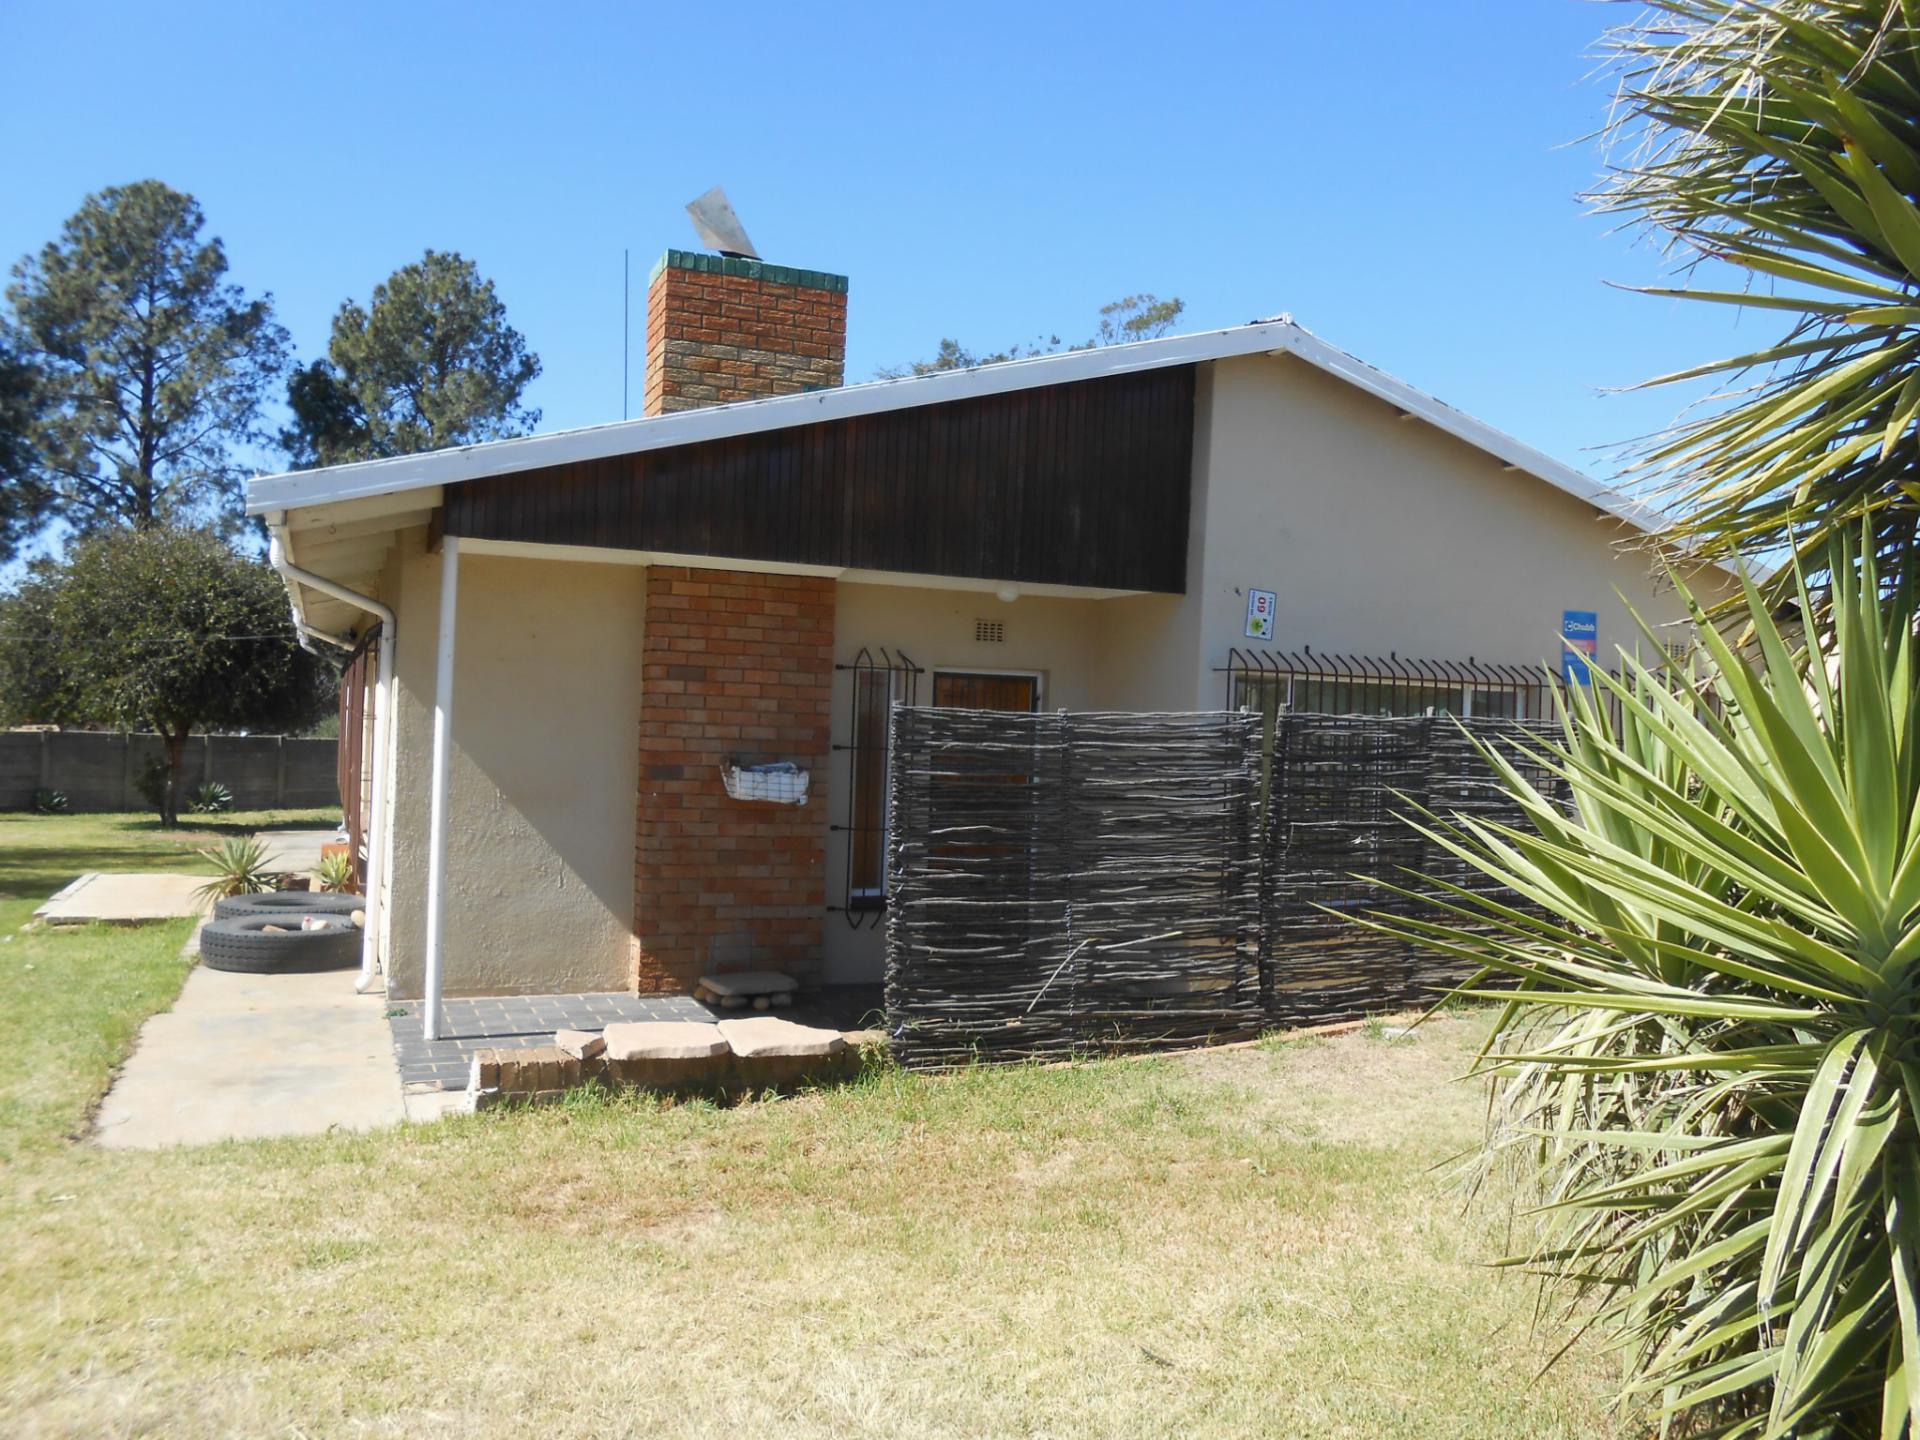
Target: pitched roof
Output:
[{"x": 269, "y": 494}]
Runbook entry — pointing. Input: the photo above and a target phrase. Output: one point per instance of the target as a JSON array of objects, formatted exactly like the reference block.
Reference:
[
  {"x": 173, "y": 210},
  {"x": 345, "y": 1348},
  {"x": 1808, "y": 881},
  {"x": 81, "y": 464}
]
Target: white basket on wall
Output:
[{"x": 775, "y": 783}]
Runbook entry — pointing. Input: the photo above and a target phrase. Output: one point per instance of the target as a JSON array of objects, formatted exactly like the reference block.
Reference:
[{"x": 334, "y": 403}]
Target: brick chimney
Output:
[{"x": 721, "y": 328}]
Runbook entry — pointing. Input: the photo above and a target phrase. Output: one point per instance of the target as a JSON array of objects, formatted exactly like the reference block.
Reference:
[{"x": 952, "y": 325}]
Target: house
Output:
[{"x": 565, "y": 643}]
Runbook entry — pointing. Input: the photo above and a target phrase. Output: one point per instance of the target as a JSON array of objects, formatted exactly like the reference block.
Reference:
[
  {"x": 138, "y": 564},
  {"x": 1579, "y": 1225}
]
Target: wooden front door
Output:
[{"x": 963, "y": 691}]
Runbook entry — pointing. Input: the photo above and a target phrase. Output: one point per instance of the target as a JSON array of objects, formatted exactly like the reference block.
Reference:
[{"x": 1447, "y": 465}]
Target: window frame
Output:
[{"x": 967, "y": 672}]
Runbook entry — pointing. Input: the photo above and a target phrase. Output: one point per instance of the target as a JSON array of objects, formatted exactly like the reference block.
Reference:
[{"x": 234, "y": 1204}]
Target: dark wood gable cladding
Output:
[{"x": 1079, "y": 484}]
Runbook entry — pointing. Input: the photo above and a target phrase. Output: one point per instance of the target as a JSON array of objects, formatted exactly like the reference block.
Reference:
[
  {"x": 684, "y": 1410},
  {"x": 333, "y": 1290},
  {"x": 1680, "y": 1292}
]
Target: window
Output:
[
  {"x": 1271, "y": 683},
  {"x": 965, "y": 690}
]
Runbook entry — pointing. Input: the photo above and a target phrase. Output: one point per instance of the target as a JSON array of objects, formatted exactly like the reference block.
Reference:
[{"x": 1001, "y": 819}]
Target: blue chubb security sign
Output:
[{"x": 1581, "y": 629}]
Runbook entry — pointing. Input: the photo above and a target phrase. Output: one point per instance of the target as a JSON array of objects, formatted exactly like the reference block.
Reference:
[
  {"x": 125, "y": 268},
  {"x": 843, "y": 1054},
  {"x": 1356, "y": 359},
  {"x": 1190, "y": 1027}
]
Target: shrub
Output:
[
  {"x": 152, "y": 784},
  {"x": 212, "y": 798},
  {"x": 240, "y": 868},
  {"x": 49, "y": 802},
  {"x": 1708, "y": 1062},
  {"x": 337, "y": 873}
]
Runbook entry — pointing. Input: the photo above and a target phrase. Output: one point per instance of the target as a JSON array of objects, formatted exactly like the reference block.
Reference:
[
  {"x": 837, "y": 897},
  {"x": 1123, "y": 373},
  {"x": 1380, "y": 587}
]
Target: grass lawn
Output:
[
  {"x": 40, "y": 853},
  {"x": 71, "y": 1000},
  {"x": 1239, "y": 1243}
]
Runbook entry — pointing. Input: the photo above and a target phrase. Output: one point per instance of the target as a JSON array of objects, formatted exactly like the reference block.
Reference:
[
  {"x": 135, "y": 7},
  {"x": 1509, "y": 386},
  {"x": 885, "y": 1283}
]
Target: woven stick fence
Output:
[
  {"x": 1340, "y": 787},
  {"x": 1061, "y": 883},
  {"x": 1070, "y": 882}
]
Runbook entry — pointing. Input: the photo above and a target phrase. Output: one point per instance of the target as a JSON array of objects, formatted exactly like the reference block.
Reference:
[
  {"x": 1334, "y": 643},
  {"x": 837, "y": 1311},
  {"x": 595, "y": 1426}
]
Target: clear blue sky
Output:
[{"x": 1401, "y": 176}]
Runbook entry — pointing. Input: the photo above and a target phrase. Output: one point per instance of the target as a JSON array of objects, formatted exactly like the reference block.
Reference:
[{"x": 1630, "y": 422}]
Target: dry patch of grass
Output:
[{"x": 1228, "y": 1244}]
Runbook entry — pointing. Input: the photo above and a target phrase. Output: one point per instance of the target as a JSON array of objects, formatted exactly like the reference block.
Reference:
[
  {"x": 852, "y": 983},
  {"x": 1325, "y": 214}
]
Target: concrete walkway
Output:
[
  {"x": 245, "y": 1056},
  {"x": 124, "y": 900},
  {"x": 295, "y": 852}
]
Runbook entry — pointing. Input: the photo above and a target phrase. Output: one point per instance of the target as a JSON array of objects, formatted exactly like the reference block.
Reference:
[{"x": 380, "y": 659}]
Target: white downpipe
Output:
[
  {"x": 437, "y": 811},
  {"x": 378, "y": 841},
  {"x": 383, "y": 756}
]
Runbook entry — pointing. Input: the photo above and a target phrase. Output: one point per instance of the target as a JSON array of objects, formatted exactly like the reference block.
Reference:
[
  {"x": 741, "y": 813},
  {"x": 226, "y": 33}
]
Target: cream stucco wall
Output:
[
  {"x": 1382, "y": 535},
  {"x": 543, "y": 778}
]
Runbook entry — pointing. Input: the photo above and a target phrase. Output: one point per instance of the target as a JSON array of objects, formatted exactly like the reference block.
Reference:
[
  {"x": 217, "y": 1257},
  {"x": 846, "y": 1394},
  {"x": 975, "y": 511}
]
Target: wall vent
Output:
[{"x": 989, "y": 632}]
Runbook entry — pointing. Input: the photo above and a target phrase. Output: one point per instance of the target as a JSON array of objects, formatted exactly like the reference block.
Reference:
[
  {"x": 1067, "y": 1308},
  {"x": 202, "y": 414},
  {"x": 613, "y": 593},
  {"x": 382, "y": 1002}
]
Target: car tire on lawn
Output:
[
  {"x": 288, "y": 902},
  {"x": 244, "y": 944}
]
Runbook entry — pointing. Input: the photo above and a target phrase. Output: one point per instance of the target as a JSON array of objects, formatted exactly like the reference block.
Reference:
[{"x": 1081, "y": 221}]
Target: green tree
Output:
[
  {"x": 165, "y": 629},
  {"x": 24, "y": 495},
  {"x": 152, "y": 366},
  {"x": 1774, "y": 150},
  {"x": 430, "y": 362},
  {"x": 1136, "y": 317}
]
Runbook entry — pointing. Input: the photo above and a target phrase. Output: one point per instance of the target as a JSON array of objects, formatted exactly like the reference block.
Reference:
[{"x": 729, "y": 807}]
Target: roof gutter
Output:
[{"x": 383, "y": 708}]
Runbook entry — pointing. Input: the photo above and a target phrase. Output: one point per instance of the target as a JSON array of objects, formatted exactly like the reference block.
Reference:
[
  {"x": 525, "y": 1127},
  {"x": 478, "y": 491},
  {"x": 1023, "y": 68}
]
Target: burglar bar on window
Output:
[
  {"x": 1315, "y": 682},
  {"x": 880, "y": 679}
]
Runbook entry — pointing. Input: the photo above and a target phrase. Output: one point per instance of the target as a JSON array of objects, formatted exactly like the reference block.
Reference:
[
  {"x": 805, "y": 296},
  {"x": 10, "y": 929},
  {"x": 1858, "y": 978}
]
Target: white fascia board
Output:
[{"x": 1279, "y": 336}]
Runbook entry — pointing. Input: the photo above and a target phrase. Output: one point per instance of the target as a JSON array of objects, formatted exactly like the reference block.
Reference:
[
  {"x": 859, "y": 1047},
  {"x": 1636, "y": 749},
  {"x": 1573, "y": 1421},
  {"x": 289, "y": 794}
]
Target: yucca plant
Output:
[
  {"x": 240, "y": 868},
  {"x": 1774, "y": 146},
  {"x": 212, "y": 798},
  {"x": 336, "y": 873},
  {"x": 1706, "y": 1061}
]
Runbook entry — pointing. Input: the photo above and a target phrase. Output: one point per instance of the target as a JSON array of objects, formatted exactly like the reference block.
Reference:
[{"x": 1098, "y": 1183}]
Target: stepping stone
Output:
[
  {"x": 667, "y": 1054},
  {"x": 581, "y": 1044},
  {"x": 664, "y": 1040},
  {"x": 769, "y": 1037},
  {"x": 746, "y": 984}
]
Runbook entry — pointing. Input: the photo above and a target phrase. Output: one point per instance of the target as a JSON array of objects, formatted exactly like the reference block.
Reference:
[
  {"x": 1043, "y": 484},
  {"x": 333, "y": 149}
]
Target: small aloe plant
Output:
[
  {"x": 336, "y": 873},
  {"x": 212, "y": 798},
  {"x": 240, "y": 868}
]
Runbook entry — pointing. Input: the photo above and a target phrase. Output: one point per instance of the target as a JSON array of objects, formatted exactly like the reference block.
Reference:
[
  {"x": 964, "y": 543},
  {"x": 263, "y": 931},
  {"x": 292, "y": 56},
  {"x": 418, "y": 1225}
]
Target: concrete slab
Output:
[
  {"x": 768, "y": 1037},
  {"x": 427, "y": 1106},
  {"x": 295, "y": 852},
  {"x": 664, "y": 1040},
  {"x": 580, "y": 1044},
  {"x": 241, "y": 1057},
  {"x": 124, "y": 900},
  {"x": 748, "y": 983}
]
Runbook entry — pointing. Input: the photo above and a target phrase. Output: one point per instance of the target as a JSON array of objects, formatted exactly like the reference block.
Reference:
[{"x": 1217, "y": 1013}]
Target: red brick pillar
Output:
[{"x": 734, "y": 664}]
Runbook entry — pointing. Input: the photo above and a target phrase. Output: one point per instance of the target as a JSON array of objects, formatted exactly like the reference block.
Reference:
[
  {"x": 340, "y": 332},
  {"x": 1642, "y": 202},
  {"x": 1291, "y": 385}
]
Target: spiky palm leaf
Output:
[
  {"x": 240, "y": 868},
  {"x": 1708, "y": 1057},
  {"x": 1783, "y": 140}
]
